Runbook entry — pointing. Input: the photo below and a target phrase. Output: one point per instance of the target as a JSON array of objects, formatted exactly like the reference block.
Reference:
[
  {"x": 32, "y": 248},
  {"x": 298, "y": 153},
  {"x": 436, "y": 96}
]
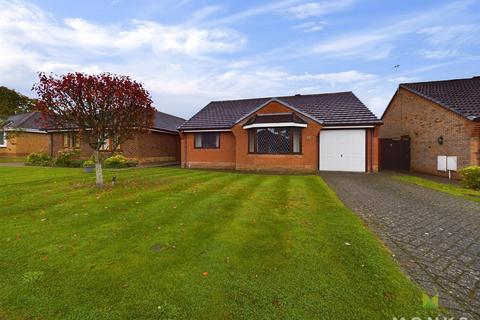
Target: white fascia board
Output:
[
  {"x": 207, "y": 130},
  {"x": 277, "y": 124},
  {"x": 24, "y": 130},
  {"x": 347, "y": 127}
]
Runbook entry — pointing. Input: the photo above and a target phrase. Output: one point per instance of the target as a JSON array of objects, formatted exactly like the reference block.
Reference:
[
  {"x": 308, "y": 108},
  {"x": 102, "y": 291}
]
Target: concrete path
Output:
[{"x": 435, "y": 236}]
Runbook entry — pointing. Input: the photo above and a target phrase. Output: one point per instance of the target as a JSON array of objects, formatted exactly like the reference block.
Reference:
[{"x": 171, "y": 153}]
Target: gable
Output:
[
  {"x": 276, "y": 106},
  {"x": 404, "y": 93},
  {"x": 461, "y": 96}
]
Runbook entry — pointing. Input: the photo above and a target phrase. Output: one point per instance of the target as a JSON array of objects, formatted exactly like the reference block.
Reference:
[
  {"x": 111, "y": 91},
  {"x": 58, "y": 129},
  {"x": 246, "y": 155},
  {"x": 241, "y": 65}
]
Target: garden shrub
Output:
[
  {"x": 68, "y": 158},
  {"x": 120, "y": 161},
  {"x": 39, "y": 159},
  {"x": 88, "y": 163},
  {"x": 471, "y": 177}
]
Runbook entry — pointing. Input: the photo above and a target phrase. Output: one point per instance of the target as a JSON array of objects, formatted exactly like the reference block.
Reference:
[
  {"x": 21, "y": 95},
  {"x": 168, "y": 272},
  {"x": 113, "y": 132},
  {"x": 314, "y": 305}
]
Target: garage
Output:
[{"x": 342, "y": 150}]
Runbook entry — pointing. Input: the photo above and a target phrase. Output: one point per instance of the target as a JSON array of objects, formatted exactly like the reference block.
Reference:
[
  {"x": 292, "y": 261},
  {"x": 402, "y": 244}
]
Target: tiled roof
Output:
[
  {"x": 165, "y": 121},
  {"x": 461, "y": 96},
  {"x": 30, "y": 120},
  {"x": 35, "y": 121},
  {"x": 330, "y": 109}
]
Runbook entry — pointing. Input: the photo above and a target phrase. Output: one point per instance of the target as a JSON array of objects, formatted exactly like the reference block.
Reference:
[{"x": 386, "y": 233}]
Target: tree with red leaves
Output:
[{"x": 103, "y": 108}]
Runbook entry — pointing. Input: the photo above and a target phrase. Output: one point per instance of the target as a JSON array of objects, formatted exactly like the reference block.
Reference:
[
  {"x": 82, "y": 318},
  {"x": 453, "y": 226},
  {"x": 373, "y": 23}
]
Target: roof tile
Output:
[
  {"x": 329, "y": 108},
  {"x": 462, "y": 96}
]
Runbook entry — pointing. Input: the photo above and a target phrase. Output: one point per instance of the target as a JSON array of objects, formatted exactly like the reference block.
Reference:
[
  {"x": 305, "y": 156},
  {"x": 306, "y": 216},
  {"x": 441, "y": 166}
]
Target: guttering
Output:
[
  {"x": 206, "y": 130},
  {"x": 348, "y": 127},
  {"x": 277, "y": 124}
]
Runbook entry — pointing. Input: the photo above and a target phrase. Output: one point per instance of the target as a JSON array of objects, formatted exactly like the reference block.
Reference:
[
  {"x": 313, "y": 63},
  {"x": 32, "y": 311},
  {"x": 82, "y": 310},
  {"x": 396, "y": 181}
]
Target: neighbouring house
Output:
[
  {"x": 432, "y": 127},
  {"x": 27, "y": 133},
  {"x": 333, "y": 131}
]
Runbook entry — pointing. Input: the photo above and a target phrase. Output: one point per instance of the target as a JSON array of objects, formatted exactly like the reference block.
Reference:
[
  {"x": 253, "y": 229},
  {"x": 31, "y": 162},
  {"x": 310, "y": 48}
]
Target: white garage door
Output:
[{"x": 342, "y": 150}]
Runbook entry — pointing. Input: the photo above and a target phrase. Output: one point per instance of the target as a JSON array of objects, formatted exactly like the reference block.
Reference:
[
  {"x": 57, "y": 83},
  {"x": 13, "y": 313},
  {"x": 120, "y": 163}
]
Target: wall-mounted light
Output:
[{"x": 440, "y": 140}]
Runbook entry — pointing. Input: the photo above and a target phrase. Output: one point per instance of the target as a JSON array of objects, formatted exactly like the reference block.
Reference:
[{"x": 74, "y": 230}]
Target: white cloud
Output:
[
  {"x": 204, "y": 13},
  {"x": 439, "y": 54},
  {"x": 318, "y": 9},
  {"x": 25, "y": 24},
  {"x": 334, "y": 78},
  {"x": 255, "y": 11},
  {"x": 449, "y": 35},
  {"x": 377, "y": 43},
  {"x": 310, "y": 26}
]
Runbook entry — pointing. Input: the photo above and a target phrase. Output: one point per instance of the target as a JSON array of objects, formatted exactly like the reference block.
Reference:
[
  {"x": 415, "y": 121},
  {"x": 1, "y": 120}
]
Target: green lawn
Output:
[
  {"x": 168, "y": 243},
  {"x": 443, "y": 187}
]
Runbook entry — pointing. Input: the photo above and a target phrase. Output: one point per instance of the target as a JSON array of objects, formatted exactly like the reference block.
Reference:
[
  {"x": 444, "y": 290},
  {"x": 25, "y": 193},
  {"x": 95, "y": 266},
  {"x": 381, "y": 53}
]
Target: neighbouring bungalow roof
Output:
[
  {"x": 342, "y": 108},
  {"x": 165, "y": 121},
  {"x": 35, "y": 121},
  {"x": 461, "y": 96}
]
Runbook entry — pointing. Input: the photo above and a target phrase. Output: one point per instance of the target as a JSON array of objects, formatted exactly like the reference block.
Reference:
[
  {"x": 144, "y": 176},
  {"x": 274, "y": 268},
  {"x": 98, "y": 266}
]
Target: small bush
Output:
[
  {"x": 119, "y": 161},
  {"x": 39, "y": 159},
  {"x": 88, "y": 164},
  {"x": 132, "y": 162},
  {"x": 68, "y": 158},
  {"x": 471, "y": 177}
]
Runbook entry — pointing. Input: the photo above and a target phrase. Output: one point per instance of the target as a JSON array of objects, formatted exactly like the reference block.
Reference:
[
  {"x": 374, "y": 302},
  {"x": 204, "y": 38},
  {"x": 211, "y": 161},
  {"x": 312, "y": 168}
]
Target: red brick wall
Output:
[
  {"x": 23, "y": 143},
  {"x": 307, "y": 161},
  {"x": 147, "y": 147},
  {"x": 425, "y": 121},
  {"x": 221, "y": 158},
  {"x": 372, "y": 140}
]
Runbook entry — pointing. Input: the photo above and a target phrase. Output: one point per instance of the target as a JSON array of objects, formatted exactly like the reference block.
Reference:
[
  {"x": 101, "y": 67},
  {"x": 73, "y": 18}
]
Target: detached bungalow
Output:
[
  {"x": 432, "y": 127},
  {"x": 333, "y": 131},
  {"x": 160, "y": 144}
]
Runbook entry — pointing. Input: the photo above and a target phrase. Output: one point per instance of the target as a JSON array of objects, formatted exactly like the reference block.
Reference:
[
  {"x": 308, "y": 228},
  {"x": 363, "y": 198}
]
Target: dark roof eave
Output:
[{"x": 204, "y": 128}]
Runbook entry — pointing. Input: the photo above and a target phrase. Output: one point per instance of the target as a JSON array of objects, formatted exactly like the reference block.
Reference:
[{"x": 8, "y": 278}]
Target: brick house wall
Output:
[
  {"x": 307, "y": 161},
  {"x": 147, "y": 147},
  {"x": 220, "y": 158},
  {"x": 233, "y": 151},
  {"x": 21, "y": 144},
  {"x": 424, "y": 122}
]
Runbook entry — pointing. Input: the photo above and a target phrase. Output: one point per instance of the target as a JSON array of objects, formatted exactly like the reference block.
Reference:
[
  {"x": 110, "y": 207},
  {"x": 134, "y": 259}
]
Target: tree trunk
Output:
[{"x": 98, "y": 170}]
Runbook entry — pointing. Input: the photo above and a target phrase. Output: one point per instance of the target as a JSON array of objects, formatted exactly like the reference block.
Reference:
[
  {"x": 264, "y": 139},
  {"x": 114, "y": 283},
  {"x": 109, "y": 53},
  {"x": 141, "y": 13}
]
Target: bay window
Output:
[{"x": 275, "y": 140}]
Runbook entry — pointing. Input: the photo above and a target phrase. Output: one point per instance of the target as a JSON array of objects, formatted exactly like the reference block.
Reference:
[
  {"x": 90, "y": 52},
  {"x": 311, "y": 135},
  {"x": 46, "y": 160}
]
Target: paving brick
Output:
[{"x": 434, "y": 236}]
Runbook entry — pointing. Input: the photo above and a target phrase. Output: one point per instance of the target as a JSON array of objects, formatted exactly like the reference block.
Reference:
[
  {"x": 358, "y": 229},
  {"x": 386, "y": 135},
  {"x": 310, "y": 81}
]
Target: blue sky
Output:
[{"x": 189, "y": 52}]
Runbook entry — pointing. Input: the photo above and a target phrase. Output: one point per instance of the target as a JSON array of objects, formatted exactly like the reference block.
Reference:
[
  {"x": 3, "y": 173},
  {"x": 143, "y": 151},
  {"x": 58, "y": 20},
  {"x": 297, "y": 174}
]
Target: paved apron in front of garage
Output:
[{"x": 435, "y": 236}]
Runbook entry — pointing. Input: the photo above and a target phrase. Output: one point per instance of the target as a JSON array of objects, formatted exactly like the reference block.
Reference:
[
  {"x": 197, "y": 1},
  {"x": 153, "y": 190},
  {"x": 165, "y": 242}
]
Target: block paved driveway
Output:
[{"x": 435, "y": 236}]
